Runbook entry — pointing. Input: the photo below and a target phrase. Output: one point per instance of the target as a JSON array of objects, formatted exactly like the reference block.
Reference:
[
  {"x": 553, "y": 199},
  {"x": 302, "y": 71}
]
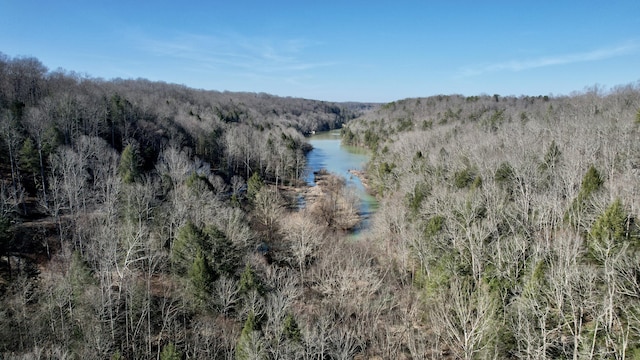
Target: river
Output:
[{"x": 328, "y": 153}]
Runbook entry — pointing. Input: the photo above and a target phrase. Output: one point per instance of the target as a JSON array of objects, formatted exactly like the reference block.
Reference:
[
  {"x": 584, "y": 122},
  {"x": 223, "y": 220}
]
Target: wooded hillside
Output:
[
  {"x": 146, "y": 220},
  {"x": 139, "y": 216},
  {"x": 514, "y": 220}
]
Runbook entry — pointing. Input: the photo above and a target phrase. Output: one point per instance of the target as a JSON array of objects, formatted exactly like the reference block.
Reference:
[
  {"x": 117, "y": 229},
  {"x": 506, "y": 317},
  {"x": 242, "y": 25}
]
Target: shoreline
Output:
[
  {"x": 326, "y": 200},
  {"x": 364, "y": 180}
]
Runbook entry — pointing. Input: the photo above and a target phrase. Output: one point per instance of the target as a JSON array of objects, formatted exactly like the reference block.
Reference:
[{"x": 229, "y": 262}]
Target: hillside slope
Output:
[
  {"x": 513, "y": 219},
  {"x": 148, "y": 220},
  {"x": 137, "y": 216}
]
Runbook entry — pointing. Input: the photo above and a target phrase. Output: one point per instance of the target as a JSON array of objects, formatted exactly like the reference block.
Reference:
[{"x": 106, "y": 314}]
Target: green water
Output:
[{"x": 328, "y": 153}]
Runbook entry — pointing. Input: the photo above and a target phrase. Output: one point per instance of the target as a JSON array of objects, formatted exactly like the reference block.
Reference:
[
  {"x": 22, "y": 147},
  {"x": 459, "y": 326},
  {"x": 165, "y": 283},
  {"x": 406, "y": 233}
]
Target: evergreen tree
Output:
[
  {"x": 505, "y": 178},
  {"x": 201, "y": 276},
  {"x": 291, "y": 329},
  {"x": 552, "y": 157},
  {"x": 248, "y": 281},
  {"x": 189, "y": 240},
  {"x": 79, "y": 274},
  {"x": 504, "y": 174},
  {"x": 129, "y": 167},
  {"x": 169, "y": 352},
  {"x": 254, "y": 184},
  {"x": 609, "y": 230},
  {"x": 244, "y": 344},
  {"x": 591, "y": 182},
  {"x": 224, "y": 253},
  {"x": 29, "y": 162}
]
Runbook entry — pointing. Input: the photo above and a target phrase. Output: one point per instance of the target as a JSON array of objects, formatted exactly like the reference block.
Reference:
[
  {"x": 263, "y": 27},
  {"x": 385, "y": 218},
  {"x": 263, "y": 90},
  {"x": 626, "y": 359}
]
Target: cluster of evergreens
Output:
[
  {"x": 513, "y": 219},
  {"x": 149, "y": 220},
  {"x": 140, "y": 219}
]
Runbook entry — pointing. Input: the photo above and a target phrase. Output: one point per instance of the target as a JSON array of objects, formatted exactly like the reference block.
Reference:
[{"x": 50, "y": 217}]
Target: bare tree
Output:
[
  {"x": 304, "y": 238},
  {"x": 12, "y": 140},
  {"x": 465, "y": 316},
  {"x": 269, "y": 208},
  {"x": 38, "y": 124},
  {"x": 226, "y": 295}
]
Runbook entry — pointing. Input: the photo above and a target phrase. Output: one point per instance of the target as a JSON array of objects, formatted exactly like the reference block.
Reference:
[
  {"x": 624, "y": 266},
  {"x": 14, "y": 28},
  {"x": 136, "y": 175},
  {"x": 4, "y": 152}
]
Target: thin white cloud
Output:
[
  {"x": 521, "y": 65},
  {"x": 236, "y": 52}
]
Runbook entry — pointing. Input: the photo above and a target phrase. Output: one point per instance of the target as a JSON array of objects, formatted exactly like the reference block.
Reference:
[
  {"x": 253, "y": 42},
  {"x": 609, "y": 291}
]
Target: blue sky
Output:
[{"x": 337, "y": 50}]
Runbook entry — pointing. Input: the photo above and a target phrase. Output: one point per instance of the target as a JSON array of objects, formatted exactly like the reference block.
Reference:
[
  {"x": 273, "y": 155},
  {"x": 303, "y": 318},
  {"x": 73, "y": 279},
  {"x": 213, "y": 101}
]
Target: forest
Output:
[{"x": 147, "y": 220}]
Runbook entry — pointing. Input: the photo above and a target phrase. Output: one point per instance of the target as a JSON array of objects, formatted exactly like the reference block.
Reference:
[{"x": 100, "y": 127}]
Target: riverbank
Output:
[
  {"x": 330, "y": 156},
  {"x": 331, "y": 201},
  {"x": 364, "y": 180}
]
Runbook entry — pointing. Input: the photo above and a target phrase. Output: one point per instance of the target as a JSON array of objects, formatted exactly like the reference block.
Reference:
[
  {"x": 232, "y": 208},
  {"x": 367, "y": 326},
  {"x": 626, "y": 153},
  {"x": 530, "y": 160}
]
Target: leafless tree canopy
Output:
[{"x": 146, "y": 220}]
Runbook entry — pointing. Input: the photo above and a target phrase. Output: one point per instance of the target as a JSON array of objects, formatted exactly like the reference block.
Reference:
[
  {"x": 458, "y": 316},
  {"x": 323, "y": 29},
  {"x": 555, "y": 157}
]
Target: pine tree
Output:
[
  {"x": 201, "y": 277},
  {"x": 129, "y": 167},
  {"x": 254, "y": 184},
  {"x": 248, "y": 281},
  {"x": 223, "y": 252},
  {"x": 79, "y": 275},
  {"x": 291, "y": 329},
  {"x": 29, "y": 162},
  {"x": 552, "y": 157},
  {"x": 169, "y": 352},
  {"x": 189, "y": 240},
  {"x": 591, "y": 182},
  {"x": 244, "y": 344},
  {"x": 609, "y": 230}
]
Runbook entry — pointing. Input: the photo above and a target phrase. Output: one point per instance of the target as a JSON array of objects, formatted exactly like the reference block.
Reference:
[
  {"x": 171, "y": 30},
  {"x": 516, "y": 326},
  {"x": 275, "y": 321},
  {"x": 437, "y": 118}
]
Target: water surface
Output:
[{"x": 328, "y": 153}]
